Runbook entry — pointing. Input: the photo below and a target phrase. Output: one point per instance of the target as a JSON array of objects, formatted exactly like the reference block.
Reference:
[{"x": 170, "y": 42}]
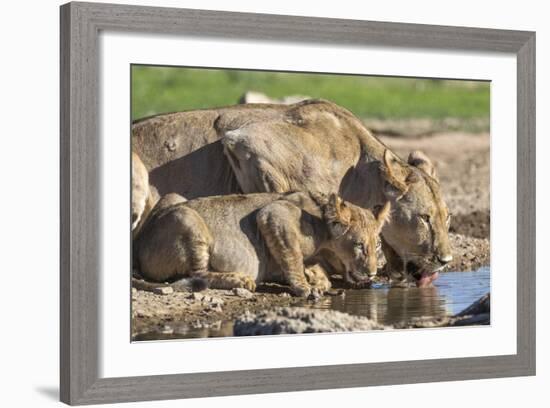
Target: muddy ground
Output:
[{"x": 462, "y": 162}]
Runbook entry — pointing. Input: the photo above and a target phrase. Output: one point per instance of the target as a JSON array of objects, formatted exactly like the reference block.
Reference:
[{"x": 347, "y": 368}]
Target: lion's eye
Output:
[{"x": 359, "y": 246}]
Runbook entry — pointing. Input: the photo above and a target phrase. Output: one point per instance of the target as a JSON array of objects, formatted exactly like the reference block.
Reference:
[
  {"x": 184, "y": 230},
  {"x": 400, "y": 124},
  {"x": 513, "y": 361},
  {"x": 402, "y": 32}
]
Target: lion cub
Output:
[{"x": 241, "y": 240}]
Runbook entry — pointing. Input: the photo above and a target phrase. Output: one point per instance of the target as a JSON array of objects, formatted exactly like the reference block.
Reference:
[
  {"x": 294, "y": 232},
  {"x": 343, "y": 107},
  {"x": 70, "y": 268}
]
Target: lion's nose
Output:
[{"x": 445, "y": 259}]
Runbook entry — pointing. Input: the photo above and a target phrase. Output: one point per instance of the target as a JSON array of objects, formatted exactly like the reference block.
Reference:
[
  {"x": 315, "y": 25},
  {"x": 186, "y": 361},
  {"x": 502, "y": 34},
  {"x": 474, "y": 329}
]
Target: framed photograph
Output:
[{"x": 261, "y": 203}]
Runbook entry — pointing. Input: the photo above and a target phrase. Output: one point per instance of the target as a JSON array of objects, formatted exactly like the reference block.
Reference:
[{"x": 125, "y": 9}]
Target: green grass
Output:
[{"x": 169, "y": 89}]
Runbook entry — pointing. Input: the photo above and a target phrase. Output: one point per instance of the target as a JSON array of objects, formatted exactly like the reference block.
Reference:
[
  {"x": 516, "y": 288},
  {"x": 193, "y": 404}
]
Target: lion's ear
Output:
[
  {"x": 337, "y": 215},
  {"x": 419, "y": 160},
  {"x": 382, "y": 214},
  {"x": 397, "y": 177},
  {"x": 337, "y": 211}
]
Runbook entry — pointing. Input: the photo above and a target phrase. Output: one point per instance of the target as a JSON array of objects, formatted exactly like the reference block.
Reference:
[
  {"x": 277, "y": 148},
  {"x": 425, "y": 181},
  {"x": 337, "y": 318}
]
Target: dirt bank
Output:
[{"x": 197, "y": 312}]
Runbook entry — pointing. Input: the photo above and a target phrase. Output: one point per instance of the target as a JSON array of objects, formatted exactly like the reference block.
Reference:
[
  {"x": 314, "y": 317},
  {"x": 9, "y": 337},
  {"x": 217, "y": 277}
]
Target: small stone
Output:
[
  {"x": 215, "y": 308},
  {"x": 163, "y": 290},
  {"x": 243, "y": 293},
  {"x": 143, "y": 313},
  {"x": 285, "y": 295},
  {"x": 196, "y": 296},
  {"x": 214, "y": 301}
]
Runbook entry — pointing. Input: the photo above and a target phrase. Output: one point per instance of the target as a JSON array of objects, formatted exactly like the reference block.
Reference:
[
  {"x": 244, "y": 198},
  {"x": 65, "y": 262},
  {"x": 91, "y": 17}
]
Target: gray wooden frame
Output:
[{"x": 80, "y": 233}]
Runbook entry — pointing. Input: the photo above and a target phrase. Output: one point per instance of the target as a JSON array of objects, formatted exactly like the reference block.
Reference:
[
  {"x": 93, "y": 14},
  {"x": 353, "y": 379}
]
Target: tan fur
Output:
[
  {"x": 140, "y": 190},
  {"x": 318, "y": 278},
  {"x": 242, "y": 240},
  {"x": 313, "y": 146},
  {"x": 417, "y": 238},
  {"x": 144, "y": 196}
]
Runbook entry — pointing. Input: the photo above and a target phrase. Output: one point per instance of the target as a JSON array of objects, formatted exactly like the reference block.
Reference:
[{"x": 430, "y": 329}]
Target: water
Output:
[{"x": 451, "y": 293}]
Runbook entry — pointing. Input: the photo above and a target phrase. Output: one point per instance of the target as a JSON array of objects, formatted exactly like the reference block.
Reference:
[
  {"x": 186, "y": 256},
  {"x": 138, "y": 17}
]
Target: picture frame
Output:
[{"x": 81, "y": 24}]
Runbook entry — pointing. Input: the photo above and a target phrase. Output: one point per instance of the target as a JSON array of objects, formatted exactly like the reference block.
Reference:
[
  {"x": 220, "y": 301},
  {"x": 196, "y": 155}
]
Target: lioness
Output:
[
  {"x": 315, "y": 146},
  {"x": 242, "y": 240}
]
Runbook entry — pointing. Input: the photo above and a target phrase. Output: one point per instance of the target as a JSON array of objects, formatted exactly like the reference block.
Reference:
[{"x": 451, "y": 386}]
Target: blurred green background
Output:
[{"x": 169, "y": 89}]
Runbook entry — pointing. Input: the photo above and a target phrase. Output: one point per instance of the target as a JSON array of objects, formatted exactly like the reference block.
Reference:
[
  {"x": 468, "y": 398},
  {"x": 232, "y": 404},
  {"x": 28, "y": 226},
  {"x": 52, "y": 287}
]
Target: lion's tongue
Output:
[{"x": 426, "y": 279}]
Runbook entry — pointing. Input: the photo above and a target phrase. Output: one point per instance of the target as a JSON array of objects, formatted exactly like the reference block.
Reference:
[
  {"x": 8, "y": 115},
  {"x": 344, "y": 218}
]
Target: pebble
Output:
[
  {"x": 143, "y": 313},
  {"x": 215, "y": 308},
  {"x": 242, "y": 292},
  {"x": 216, "y": 301},
  {"x": 163, "y": 290},
  {"x": 196, "y": 296}
]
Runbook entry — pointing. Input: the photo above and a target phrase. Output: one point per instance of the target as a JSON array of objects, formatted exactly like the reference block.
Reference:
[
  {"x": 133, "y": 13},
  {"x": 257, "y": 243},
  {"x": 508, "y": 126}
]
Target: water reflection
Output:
[
  {"x": 389, "y": 306},
  {"x": 176, "y": 330}
]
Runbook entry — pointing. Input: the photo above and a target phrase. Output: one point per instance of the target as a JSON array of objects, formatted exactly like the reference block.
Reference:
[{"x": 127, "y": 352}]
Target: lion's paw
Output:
[
  {"x": 316, "y": 294},
  {"x": 322, "y": 286},
  {"x": 318, "y": 279},
  {"x": 247, "y": 282},
  {"x": 301, "y": 290}
]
